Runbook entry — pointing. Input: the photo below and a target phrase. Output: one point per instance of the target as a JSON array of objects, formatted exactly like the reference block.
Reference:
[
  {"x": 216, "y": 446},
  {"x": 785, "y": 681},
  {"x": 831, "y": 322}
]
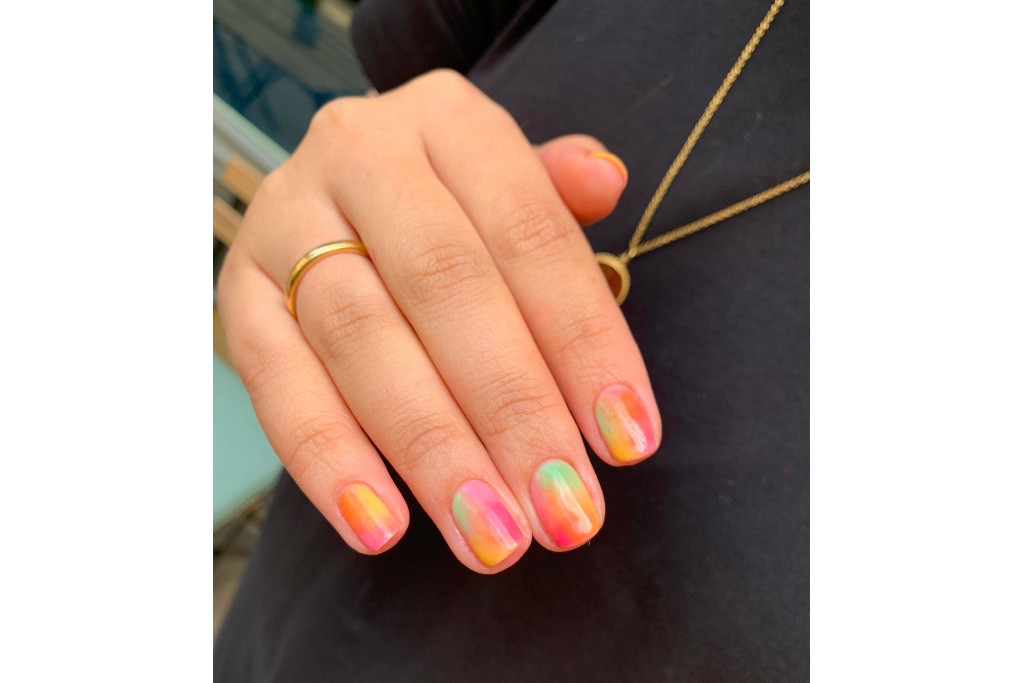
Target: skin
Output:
[{"x": 474, "y": 342}]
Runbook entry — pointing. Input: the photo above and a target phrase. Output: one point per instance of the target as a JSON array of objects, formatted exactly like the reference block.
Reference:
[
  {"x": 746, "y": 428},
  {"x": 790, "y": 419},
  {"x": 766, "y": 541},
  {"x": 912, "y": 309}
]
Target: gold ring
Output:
[{"x": 291, "y": 290}]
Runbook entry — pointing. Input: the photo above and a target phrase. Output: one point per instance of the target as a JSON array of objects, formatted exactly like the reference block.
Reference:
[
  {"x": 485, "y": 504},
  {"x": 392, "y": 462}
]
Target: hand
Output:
[{"x": 479, "y": 327}]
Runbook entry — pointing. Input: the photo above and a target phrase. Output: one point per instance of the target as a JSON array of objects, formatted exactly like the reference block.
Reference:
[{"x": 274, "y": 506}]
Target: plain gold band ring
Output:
[{"x": 291, "y": 290}]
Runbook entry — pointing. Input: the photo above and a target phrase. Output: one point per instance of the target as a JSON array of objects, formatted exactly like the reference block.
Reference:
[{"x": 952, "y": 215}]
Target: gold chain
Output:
[
  {"x": 728, "y": 212},
  {"x": 636, "y": 247}
]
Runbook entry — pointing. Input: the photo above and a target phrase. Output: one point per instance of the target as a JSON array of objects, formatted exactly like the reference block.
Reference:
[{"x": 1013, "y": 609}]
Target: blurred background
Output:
[{"x": 275, "y": 62}]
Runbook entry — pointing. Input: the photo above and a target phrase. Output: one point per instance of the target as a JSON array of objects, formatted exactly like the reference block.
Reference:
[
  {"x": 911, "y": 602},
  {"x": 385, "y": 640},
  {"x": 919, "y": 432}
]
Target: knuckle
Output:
[
  {"x": 344, "y": 134},
  {"x": 445, "y": 95},
  {"x": 529, "y": 228},
  {"x": 258, "y": 362},
  {"x": 275, "y": 187},
  {"x": 583, "y": 335},
  {"x": 512, "y": 398},
  {"x": 276, "y": 183},
  {"x": 314, "y": 441},
  {"x": 423, "y": 436},
  {"x": 438, "y": 270},
  {"x": 340, "y": 115},
  {"x": 350, "y": 316},
  {"x": 448, "y": 82}
]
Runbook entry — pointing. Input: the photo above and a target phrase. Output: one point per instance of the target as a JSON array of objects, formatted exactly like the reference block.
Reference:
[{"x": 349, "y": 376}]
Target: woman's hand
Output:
[{"x": 479, "y": 327}]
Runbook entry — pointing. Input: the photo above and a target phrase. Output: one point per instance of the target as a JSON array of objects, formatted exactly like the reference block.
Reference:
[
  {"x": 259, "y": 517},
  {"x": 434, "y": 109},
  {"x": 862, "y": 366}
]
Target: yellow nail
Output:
[{"x": 608, "y": 156}]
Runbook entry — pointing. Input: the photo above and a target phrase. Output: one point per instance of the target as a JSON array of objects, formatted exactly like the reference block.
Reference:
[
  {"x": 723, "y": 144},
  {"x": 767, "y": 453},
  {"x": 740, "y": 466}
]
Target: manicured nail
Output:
[
  {"x": 488, "y": 526},
  {"x": 624, "y": 424},
  {"x": 563, "y": 504},
  {"x": 368, "y": 516},
  {"x": 608, "y": 156}
]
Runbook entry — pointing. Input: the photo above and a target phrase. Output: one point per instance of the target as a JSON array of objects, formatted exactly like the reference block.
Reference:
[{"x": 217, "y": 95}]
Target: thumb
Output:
[{"x": 589, "y": 178}]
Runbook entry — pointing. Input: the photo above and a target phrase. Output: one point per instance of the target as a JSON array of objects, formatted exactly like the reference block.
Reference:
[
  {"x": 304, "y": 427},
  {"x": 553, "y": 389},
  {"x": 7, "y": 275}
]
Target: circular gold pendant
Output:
[{"x": 616, "y": 273}]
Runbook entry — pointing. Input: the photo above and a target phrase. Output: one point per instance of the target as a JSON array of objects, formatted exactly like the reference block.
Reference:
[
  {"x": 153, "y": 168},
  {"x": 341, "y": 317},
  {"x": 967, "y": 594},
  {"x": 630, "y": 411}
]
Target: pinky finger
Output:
[
  {"x": 588, "y": 177},
  {"x": 304, "y": 417}
]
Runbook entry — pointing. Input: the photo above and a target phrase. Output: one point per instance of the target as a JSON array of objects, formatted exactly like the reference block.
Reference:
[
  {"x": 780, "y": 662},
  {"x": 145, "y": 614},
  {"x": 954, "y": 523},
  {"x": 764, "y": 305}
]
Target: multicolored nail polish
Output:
[
  {"x": 616, "y": 161},
  {"x": 624, "y": 424},
  {"x": 563, "y": 504},
  {"x": 368, "y": 516},
  {"x": 488, "y": 526}
]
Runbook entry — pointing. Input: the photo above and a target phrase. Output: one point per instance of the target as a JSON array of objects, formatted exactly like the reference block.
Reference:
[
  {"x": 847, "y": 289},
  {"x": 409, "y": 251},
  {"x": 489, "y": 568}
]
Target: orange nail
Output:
[
  {"x": 368, "y": 516},
  {"x": 608, "y": 156}
]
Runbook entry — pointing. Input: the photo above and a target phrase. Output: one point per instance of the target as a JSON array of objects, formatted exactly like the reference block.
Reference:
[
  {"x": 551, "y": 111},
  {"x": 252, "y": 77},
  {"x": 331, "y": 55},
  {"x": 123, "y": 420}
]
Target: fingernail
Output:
[
  {"x": 368, "y": 516},
  {"x": 488, "y": 526},
  {"x": 563, "y": 504},
  {"x": 624, "y": 423},
  {"x": 608, "y": 156}
]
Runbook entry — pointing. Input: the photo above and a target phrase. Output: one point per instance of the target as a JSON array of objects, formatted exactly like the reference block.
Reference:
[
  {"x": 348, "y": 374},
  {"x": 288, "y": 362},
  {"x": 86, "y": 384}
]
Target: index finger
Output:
[{"x": 550, "y": 268}]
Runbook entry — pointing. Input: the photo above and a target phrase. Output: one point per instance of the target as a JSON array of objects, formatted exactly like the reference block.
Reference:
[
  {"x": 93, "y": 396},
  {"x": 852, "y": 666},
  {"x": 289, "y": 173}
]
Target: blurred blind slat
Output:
[
  {"x": 226, "y": 221},
  {"x": 234, "y": 136},
  {"x": 241, "y": 179}
]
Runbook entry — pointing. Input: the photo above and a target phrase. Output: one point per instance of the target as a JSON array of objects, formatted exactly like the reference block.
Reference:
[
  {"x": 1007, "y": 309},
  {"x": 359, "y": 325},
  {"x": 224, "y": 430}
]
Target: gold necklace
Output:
[{"x": 616, "y": 268}]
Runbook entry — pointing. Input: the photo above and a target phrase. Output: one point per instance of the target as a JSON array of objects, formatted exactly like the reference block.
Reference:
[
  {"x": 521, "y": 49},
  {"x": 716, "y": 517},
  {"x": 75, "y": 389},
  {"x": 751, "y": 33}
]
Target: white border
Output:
[{"x": 917, "y": 340}]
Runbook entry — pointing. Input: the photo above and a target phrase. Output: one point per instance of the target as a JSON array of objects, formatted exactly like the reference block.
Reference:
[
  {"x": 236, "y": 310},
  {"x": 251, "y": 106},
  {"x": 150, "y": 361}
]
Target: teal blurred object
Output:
[{"x": 244, "y": 464}]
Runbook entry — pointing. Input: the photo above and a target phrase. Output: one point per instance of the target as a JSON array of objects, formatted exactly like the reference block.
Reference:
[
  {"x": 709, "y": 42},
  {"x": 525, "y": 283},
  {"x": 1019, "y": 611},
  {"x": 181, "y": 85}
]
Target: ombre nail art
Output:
[
  {"x": 624, "y": 424},
  {"x": 488, "y": 526},
  {"x": 368, "y": 516},
  {"x": 563, "y": 504}
]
